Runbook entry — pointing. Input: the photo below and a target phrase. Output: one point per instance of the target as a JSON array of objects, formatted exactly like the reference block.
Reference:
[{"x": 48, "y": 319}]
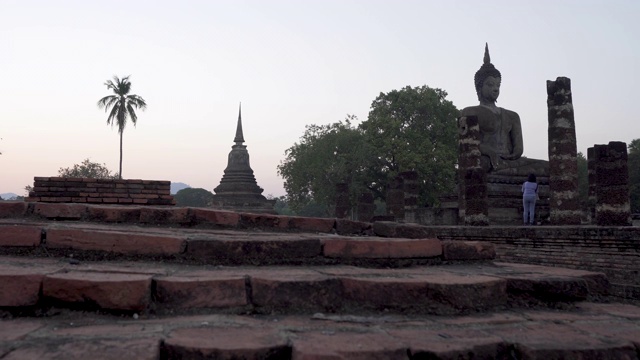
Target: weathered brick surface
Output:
[
  {"x": 112, "y": 291},
  {"x": 396, "y": 230},
  {"x": 117, "y": 242},
  {"x": 309, "y": 224},
  {"x": 101, "y": 191},
  {"x": 81, "y": 349},
  {"x": 155, "y": 215},
  {"x": 248, "y": 220},
  {"x": 350, "y": 227},
  {"x": 235, "y": 250},
  {"x": 215, "y": 217},
  {"x": 451, "y": 343},
  {"x": 441, "y": 294},
  {"x": 17, "y": 330},
  {"x": 381, "y": 248},
  {"x": 295, "y": 291},
  {"x": 20, "y": 286},
  {"x": 119, "y": 214},
  {"x": 10, "y": 209},
  {"x": 201, "y": 290},
  {"x": 20, "y": 235},
  {"x": 60, "y": 211},
  {"x": 226, "y": 343},
  {"x": 347, "y": 345},
  {"x": 468, "y": 250},
  {"x": 563, "y": 342}
]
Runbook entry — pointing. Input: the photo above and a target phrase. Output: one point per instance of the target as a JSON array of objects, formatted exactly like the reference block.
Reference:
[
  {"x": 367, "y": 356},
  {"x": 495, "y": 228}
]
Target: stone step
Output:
[
  {"x": 32, "y": 285},
  {"x": 586, "y": 331},
  {"x": 86, "y": 241}
]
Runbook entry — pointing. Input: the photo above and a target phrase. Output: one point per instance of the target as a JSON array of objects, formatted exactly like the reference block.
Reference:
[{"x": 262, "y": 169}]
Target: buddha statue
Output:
[{"x": 501, "y": 142}]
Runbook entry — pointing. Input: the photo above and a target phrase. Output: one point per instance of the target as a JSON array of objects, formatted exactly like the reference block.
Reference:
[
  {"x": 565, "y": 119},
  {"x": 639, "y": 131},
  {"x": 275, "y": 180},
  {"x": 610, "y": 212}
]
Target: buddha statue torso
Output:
[{"x": 501, "y": 143}]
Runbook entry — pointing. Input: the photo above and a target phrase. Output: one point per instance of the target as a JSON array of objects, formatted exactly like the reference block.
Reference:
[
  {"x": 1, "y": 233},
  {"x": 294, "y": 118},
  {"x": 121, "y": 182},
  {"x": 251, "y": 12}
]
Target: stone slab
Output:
[
  {"x": 341, "y": 247},
  {"x": 113, "y": 241},
  {"x": 9, "y": 209},
  {"x": 200, "y": 290},
  {"x": 20, "y": 235},
  {"x": 226, "y": 343},
  {"x": 111, "y": 291}
]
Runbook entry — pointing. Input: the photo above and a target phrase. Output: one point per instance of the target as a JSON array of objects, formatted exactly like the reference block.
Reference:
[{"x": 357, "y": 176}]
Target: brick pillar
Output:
[
  {"x": 591, "y": 175},
  {"x": 395, "y": 199},
  {"x": 612, "y": 185},
  {"x": 476, "y": 197},
  {"x": 342, "y": 200},
  {"x": 564, "y": 202},
  {"x": 473, "y": 202},
  {"x": 411, "y": 191},
  {"x": 366, "y": 206}
]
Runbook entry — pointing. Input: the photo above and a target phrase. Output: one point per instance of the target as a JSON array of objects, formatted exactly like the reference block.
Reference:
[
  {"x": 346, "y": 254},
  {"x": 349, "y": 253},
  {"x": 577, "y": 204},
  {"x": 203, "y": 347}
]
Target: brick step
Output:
[
  {"x": 30, "y": 285},
  {"x": 587, "y": 331},
  {"x": 86, "y": 241}
]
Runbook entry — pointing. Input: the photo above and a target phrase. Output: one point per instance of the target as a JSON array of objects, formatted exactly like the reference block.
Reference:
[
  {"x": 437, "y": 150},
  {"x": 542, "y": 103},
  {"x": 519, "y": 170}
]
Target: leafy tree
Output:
[
  {"x": 325, "y": 156},
  {"x": 88, "y": 169},
  {"x": 122, "y": 106},
  {"x": 193, "y": 197},
  {"x": 413, "y": 129},
  {"x": 634, "y": 174}
]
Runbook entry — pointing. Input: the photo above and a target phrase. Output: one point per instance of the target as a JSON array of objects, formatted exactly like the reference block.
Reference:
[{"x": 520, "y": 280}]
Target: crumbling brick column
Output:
[
  {"x": 395, "y": 199},
  {"x": 563, "y": 155},
  {"x": 342, "y": 200},
  {"x": 411, "y": 191},
  {"x": 476, "y": 197},
  {"x": 473, "y": 202},
  {"x": 612, "y": 184},
  {"x": 366, "y": 206},
  {"x": 591, "y": 175}
]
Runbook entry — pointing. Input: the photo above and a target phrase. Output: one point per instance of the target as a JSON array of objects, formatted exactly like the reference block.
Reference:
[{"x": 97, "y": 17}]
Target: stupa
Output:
[{"x": 238, "y": 189}]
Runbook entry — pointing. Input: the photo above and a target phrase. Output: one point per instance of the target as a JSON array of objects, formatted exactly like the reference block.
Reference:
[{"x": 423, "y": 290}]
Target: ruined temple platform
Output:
[{"x": 145, "y": 282}]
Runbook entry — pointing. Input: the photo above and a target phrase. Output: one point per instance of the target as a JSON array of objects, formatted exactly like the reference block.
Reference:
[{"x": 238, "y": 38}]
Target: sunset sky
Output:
[{"x": 291, "y": 64}]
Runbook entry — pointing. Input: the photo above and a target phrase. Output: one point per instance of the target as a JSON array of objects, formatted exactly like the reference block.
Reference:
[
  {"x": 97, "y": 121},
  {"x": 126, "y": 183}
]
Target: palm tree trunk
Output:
[{"x": 120, "y": 170}]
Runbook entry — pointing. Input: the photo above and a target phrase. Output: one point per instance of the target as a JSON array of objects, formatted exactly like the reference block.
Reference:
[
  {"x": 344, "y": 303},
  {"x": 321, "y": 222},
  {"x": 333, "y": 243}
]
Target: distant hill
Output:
[
  {"x": 175, "y": 187},
  {"x": 8, "y": 196}
]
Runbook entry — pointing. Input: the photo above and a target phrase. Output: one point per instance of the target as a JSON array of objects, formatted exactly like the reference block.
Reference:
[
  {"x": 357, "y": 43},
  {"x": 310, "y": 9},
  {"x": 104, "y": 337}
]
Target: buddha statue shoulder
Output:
[{"x": 501, "y": 142}]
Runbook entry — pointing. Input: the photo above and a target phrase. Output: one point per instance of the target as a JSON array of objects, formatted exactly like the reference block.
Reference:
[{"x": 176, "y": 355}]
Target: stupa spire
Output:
[{"x": 239, "y": 139}]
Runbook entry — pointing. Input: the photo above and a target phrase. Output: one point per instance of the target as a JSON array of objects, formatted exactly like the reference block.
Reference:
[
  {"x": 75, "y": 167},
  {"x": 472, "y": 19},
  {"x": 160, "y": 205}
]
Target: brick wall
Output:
[
  {"x": 101, "y": 191},
  {"x": 613, "y": 250}
]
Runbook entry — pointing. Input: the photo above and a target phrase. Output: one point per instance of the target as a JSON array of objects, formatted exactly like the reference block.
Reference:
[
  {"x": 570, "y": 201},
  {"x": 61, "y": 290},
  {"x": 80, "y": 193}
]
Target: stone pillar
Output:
[
  {"x": 563, "y": 155},
  {"x": 395, "y": 199},
  {"x": 366, "y": 207},
  {"x": 473, "y": 202},
  {"x": 342, "y": 200},
  {"x": 612, "y": 185},
  {"x": 591, "y": 175},
  {"x": 411, "y": 192}
]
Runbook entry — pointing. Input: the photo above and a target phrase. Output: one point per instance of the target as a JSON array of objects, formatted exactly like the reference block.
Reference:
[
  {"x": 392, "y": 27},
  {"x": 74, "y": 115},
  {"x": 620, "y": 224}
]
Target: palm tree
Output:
[{"x": 122, "y": 105}]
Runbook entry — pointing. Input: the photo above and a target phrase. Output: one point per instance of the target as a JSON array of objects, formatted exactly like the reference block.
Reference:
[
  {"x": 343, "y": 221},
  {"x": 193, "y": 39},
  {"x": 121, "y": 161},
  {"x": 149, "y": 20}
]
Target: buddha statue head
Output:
[{"x": 486, "y": 70}]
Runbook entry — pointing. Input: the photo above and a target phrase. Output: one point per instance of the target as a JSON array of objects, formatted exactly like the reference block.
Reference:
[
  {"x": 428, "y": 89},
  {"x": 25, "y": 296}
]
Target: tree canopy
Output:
[
  {"x": 193, "y": 197},
  {"x": 325, "y": 156},
  {"x": 88, "y": 169},
  {"x": 408, "y": 129},
  {"x": 122, "y": 106},
  {"x": 414, "y": 129}
]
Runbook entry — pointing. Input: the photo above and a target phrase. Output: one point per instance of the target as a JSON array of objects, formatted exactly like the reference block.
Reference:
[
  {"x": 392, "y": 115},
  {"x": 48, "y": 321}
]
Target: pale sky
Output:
[{"x": 290, "y": 63}]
